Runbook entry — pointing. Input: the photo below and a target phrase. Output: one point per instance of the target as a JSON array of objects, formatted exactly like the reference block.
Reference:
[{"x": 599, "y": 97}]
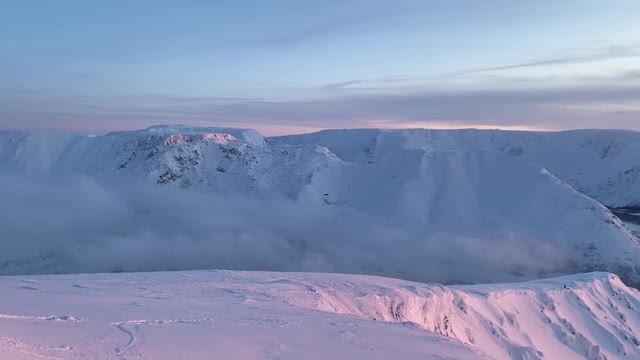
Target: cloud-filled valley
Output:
[
  {"x": 73, "y": 224},
  {"x": 417, "y": 205}
]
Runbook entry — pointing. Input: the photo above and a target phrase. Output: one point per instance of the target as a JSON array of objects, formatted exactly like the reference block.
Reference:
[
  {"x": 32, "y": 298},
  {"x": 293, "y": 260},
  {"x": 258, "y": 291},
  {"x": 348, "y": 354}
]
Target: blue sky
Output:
[{"x": 294, "y": 66}]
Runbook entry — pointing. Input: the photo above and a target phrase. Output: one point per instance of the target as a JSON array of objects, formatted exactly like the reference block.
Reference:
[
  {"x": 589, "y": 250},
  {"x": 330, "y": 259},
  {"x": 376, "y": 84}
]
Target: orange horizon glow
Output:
[
  {"x": 281, "y": 130},
  {"x": 285, "y": 129}
]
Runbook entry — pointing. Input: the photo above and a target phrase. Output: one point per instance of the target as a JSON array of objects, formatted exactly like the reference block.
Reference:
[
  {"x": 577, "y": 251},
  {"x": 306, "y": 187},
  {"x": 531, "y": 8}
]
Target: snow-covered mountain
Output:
[
  {"x": 600, "y": 163},
  {"x": 520, "y": 189},
  {"x": 258, "y": 315}
]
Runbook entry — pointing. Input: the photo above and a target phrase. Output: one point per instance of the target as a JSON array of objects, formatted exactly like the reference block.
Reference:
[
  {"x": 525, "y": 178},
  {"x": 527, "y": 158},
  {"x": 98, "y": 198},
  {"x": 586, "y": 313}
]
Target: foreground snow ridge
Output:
[{"x": 260, "y": 315}]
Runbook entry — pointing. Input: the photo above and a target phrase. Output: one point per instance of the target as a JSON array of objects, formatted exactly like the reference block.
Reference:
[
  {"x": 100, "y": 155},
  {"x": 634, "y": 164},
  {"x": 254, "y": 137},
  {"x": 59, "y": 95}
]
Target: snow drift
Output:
[{"x": 256, "y": 315}]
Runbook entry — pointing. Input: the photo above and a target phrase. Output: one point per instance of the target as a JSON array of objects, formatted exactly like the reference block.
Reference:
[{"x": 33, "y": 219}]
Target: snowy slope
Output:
[
  {"x": 255, "y": 315},
  {"x": 593, "y": 161},
  {"x": 460, "y": 190}
]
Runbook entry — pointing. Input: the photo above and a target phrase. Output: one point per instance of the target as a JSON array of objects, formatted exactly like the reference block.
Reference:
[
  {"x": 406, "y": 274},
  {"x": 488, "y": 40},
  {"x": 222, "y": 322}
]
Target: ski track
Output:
[{"x": 135, "y": 337}]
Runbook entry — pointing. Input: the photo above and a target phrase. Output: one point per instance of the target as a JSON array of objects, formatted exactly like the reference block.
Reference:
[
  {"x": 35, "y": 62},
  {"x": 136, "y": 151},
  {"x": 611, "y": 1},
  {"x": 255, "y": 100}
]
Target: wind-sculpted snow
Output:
[
  {"x": 586, "y": 316},
  {"x": 261, "y": 315},
  {"x": 447, "y": 206}
]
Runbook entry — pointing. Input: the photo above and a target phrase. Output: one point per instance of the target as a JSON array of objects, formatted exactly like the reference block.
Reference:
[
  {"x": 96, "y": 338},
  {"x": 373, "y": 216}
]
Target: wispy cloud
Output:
[
  {"x": 562, "y": 108},
  {"x": 579, "y": 57},
  {"x": 329, "y": 27},
  {"x": 605, "y": 53},
  {"x": 599, "y": 100},
  {"x": 343, "y": 84}
]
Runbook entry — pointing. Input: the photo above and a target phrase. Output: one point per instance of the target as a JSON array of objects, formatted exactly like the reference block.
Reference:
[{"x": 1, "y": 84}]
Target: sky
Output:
[{"x": 290, "y": 66}]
